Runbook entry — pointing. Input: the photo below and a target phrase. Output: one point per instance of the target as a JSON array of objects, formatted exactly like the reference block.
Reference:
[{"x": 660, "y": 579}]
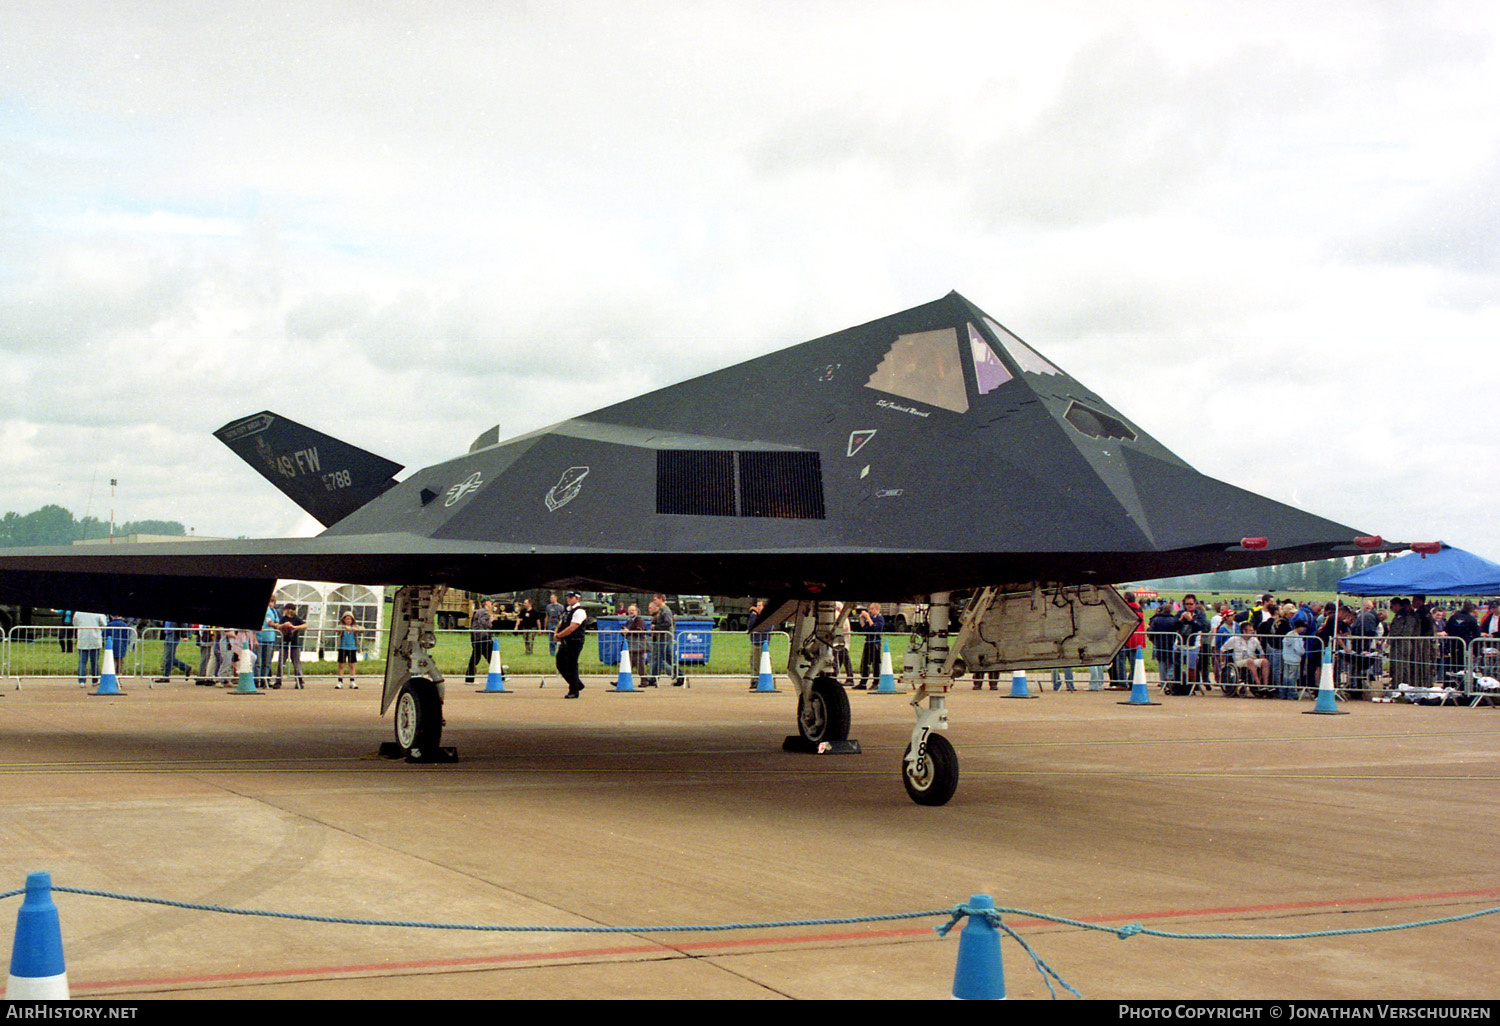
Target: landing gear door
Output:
[{"x": 1049, "y": 627}]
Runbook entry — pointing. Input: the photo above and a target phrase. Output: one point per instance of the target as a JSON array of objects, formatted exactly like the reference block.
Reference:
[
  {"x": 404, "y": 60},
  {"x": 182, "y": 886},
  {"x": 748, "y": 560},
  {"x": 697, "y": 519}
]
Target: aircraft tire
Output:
[
  {"x": 823, "y": 715},
  {"x": 419, "y": 716},
  {"x": 936, "y": 776}
]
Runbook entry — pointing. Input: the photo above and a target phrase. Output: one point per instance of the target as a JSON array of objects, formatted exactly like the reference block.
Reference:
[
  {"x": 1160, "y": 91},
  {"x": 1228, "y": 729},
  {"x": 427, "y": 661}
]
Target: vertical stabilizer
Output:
[{"x": 328, "y": 478}]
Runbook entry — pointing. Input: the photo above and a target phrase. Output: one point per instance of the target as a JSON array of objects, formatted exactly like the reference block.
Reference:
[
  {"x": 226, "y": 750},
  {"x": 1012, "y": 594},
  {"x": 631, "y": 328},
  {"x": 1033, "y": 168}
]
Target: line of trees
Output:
[
  {"x": 1321, "y": 575},
  {"x": 53, "y": 525}
]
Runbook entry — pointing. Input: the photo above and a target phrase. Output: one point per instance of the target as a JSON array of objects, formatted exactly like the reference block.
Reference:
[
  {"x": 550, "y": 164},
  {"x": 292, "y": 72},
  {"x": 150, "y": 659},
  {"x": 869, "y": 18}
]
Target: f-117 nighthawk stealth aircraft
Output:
[{"x": 927, "y": 453}]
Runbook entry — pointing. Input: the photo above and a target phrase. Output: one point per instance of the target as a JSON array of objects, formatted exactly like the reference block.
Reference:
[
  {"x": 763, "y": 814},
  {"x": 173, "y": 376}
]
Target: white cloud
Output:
[{"x": 387, "y": 221}]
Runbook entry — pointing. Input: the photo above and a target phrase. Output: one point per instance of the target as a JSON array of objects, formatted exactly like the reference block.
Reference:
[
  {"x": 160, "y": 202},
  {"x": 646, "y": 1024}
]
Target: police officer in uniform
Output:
[{"x": 569, "y": 638}]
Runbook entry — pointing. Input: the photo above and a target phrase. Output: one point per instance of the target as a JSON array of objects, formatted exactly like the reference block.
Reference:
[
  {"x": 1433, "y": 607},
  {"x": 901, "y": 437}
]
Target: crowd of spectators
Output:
[
  {"x": 273, "y": 650},
  {"x": 1400, "y": 647}
]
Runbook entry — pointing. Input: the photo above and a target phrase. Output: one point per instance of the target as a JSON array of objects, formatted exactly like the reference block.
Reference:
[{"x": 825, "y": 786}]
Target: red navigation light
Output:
[
  {"x": 1426, "y": 548},
  {"x": 1369, "y": 541},
  {"x": 1253, "y": 543}
]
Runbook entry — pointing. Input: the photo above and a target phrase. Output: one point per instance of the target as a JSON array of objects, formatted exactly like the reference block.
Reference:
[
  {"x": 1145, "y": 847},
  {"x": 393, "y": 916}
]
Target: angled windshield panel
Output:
[
  {"x": 924, "y": 367},
  {"x": 989, "y": 372},
  {"x": 1028, "y": 359}
]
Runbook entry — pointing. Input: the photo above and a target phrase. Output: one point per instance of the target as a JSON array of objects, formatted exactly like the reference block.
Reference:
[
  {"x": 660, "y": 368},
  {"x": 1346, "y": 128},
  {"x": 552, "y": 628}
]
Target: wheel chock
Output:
[
  {"x": 800, "y": 744},
  {"x": 980, "y": 973},
  {"x": 429, "y": 756},
  {"x": 37, "y": 972},
  {"x": 391, "y": 750}
]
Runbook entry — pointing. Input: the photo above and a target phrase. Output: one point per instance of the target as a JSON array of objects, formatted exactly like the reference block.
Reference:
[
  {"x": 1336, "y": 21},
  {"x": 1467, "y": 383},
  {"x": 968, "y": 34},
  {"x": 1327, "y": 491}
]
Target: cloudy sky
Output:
[{"x": 1267, "y": 232}]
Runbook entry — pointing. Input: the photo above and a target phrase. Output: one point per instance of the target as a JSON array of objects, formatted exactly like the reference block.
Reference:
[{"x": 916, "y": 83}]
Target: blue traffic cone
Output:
[
  {"x": 37, "y": 972},
  {"x": 494, "y": 684},
  {"x": 766, "y": 682},
  {"x": 980, "y": 975},
  {"x": 1327, "y": 704},
  {"x": 626, "y": 681},
  {"x": 887, "y": 685},
  {"x": 109, "y": 684},
  {"x": 1018, "y": 687},
  {"x": 1139, "y": 695},
  {"x": 246, "y": 674}
]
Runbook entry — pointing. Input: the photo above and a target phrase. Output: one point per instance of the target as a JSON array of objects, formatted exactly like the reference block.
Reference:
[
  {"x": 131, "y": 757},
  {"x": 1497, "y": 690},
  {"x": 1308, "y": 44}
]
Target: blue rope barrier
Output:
[
  {"x": 1135, "y": 929},
  {"x": 489, "y": 928},
  {"x": 1048, "y": 973},
  {"x": 955, "y": 915},
  {"x": 960, "y": 911}
]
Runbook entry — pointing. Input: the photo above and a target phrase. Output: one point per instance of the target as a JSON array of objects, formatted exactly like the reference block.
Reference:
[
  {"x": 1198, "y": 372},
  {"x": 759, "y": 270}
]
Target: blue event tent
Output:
[{"x": 1449, "y": 571}]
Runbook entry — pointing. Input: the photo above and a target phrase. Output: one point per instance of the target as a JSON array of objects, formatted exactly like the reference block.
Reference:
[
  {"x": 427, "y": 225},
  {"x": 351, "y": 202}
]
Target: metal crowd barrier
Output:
[
  {"x": 1384, "y": 665},
  {"x": 689, "y": 653},
  {"x": 204, "y": 652},
  {"x": 1364, "y": 667},
  {"x": 1484, "y": 671},
  {"x": 194, "y": 641},
  {"x": 1199, "y": 662},
  {"x": 53, "y": 652},
  {"x": 185, "y": 648}
]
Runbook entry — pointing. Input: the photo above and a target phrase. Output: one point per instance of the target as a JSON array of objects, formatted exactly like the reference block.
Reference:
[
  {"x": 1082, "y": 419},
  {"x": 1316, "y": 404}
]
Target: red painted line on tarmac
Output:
[
  {"x": 275, "y": 975},
  {"x": 1290, "y": 906},
  {"x": 272, "y": 975}
]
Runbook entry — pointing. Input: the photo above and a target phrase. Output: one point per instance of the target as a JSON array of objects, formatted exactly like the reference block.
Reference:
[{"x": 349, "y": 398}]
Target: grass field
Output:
[{"x": 37, "y": 653}]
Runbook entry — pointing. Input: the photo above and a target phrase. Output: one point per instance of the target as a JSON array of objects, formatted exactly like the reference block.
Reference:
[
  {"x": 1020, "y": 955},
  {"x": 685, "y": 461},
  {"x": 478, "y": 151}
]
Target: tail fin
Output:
[{"x": 328, "y": 478}]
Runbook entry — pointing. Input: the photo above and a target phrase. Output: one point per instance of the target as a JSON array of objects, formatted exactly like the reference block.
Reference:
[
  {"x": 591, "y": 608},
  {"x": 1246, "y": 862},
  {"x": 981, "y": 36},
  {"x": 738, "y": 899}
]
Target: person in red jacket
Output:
[{"x": 1123, "y": 671}]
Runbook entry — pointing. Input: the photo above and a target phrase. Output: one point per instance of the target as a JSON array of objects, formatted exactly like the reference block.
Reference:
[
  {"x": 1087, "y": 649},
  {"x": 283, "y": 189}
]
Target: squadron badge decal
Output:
[{"x": 567, "y": 488}]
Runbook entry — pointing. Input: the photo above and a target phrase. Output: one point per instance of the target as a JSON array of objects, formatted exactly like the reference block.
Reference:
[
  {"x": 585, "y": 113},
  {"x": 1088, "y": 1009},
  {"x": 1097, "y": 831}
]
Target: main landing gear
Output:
[
  {"x": 412, "y": 679},
  {"x": 822, "y": 706},
  {"x": 419, "y": 718},
  {"x": 823, "y": 713}
]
